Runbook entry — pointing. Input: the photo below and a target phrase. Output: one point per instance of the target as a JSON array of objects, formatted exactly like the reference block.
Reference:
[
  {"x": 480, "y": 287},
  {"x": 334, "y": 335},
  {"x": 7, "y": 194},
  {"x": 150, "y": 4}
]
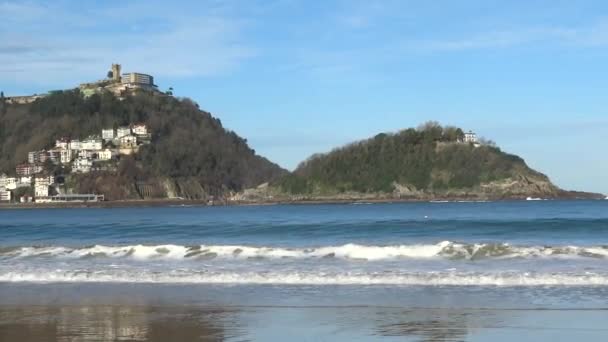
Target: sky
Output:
[{"x": 298, "y": 77}]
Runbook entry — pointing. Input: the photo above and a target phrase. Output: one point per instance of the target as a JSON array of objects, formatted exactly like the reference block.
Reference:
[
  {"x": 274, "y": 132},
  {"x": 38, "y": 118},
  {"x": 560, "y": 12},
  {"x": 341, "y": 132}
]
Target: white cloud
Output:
[
  {"x": 594, "y": 35},
  {"x": 59, "y": 46}
]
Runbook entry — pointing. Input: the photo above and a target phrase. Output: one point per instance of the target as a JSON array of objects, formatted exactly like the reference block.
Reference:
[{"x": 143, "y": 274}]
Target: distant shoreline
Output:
[{"x": 204, "y": 203}]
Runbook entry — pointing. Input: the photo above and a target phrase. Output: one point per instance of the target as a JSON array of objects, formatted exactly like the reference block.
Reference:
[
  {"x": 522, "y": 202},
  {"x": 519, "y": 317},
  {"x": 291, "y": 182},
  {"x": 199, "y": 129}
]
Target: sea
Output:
[{"x": 442, "y": 271}]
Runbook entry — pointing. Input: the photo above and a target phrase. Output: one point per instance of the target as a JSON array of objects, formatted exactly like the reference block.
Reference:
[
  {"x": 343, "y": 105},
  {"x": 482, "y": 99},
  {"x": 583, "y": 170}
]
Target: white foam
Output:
[
  {"x": 295, "y": 278},
  {"x": 445, "y": 249}
]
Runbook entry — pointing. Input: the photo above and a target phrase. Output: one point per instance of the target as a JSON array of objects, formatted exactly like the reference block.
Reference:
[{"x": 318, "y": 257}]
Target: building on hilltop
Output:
[
  {"x": 116, "y": 72},
  {"x": 23, "y": 99},
  {"x": 119, "y": 84},
  {"x": 138, "y": 79},
  {"x": 470, "y": 137}
]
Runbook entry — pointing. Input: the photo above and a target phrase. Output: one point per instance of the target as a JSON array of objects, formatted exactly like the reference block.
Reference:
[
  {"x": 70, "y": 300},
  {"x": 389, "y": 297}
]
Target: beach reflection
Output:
[
  {"x": 114, "y": 323},
  {"x": 433, "y": 325}
]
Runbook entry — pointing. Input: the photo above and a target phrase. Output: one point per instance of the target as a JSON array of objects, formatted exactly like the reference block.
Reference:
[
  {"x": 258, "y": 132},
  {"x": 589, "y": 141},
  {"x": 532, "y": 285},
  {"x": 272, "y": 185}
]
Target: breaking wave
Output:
[
  {"x": 310, "y": 278},
  {"x": 442, "y": 250}
]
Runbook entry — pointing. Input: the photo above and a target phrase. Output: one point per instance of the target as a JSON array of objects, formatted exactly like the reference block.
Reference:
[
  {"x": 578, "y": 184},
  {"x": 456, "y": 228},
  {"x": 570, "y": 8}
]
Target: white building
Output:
[
  {"x": 41, "y": 186},
  {"x": 88, "y": 144},
  {"x": 106, "y": 154},
  {"x": 87, "y": 154},
  {"x": 140, "y": 129},
  {"x": 28, "y": 169},
  {"x": 128, "y": 141},
  {"x": 11, "y": 183},
  {"x": 5, "y": 195},
  {"x": 65, "y": 155},
  {"x": 75, "y": 145},
  {"x": 135, "y": 78},
  {"x": 470, "y": 137},
  {"x": 91, "y": 144},
  {"x": 25, "y": 180},
  {"x": 122, "y": 131},
  {"x": 82, "y": 165},
  {"x": 62, "y": 143},
  {"x": 32, "y": 157},
  {"x": 108, "y": 134}
]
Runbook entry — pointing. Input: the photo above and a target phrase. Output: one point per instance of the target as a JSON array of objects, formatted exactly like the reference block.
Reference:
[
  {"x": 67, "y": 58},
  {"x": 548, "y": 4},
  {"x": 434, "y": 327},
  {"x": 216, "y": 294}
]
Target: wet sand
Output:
[
  {"x": 167, "y": 323},
  {"x": 120, "y": 312}
]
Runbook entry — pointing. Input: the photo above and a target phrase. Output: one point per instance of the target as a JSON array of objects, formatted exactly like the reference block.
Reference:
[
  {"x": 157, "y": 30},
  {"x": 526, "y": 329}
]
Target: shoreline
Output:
[{"x": 205, "y": 203}]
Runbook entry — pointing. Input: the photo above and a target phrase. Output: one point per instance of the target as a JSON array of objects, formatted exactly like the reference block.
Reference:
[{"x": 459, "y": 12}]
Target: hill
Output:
[
  {"x": 190, "y": 154},
  {"x": 431, "y": 162}
]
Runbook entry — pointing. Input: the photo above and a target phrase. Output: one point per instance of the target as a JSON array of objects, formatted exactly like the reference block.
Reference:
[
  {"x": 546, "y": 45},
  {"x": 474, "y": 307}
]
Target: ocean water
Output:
[{"x": 422, "y": 271}]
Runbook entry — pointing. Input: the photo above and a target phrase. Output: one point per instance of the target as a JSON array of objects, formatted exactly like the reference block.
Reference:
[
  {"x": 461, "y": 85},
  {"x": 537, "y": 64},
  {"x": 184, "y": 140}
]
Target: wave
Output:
[
  {"x": 442, "y": 250},
  {"x": 301, "y": 278}
]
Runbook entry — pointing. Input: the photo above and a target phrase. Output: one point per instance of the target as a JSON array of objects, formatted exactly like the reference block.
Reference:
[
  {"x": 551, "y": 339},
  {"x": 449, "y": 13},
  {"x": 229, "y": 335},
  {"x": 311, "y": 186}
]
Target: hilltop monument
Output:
[{"x": 116, "y": 72}]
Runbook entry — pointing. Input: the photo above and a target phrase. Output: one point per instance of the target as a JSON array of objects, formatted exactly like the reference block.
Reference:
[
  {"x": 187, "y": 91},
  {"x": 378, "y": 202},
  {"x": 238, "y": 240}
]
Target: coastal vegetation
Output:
[{"x": 430, "y": 160}]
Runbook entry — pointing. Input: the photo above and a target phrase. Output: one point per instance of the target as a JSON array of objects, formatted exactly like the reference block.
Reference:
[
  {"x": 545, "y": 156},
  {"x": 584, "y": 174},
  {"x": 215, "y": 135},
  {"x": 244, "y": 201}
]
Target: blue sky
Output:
[{"x": 296, "y": 77}]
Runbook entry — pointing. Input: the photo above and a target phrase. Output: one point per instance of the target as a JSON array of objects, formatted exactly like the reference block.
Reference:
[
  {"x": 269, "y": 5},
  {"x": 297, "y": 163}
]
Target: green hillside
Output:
[
  {"x": 190, "y": 155},
  {"x": 417, "y": 162}
]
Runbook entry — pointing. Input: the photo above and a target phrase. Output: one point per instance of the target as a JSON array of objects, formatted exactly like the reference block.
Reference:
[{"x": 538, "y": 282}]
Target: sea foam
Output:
[
  {"x": 311, "y": 278},
  {"x": 442, "y": 250}
]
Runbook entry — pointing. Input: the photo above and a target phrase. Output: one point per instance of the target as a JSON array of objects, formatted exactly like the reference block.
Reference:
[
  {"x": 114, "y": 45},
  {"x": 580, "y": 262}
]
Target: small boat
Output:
[{"x": 533, "y": 199}]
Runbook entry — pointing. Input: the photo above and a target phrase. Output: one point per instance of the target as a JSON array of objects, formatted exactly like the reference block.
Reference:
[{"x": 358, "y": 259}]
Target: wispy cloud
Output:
[
  {"x": 50, "y": 44},
  {"x": 594, "y": 35}
]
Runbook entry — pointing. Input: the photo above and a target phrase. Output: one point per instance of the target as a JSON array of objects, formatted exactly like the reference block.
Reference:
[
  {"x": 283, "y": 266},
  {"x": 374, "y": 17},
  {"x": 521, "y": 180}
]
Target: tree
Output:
[
  {"x": 170, "y": 91},
  {"x": 110, "y": 74},
  {"x": 23, "y": 191}
]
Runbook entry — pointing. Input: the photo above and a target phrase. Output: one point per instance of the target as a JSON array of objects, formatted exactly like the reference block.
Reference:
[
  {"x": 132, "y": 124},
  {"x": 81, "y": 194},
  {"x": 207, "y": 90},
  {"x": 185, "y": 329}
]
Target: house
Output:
[
  {"x": 37, "y": 157},
  {"x": 10, "y": 183},
  {"x": 82, "y": 165},
  {"x": 3, "y": 178},
  {"x": 28, "y": 169},
  {"x": 32, "y": 157},
  {"x": 91, "y": 144},
  {"x": 55, "y": 155},
  {"x": 65, "y": 156},
  {"x": 470, "y": 137},
  {"x": 140, "y": 129},
  {"x": 41, "y": 186},
  {"x": 5, "y": 194},
  {"x": 75, "y": 145},
  {"x": 25, "y": 180},
  {"x": 108, "y": 134},
  {"x": 87, "y": 154},
  {"x": 122, "y": 131},
  {"x": 63, "y": 143},
  {"x": 106, "y": 154},
  {"x": 128, "y": 141}
]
